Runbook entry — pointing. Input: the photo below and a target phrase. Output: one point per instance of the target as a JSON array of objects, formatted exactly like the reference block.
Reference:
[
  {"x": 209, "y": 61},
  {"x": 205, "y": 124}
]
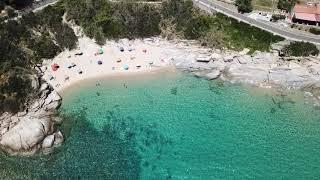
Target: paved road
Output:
[
  {"x": 277, "y": 30},
  {"x": 38, "y": 5},
  {"x": 231, "y": 12}
]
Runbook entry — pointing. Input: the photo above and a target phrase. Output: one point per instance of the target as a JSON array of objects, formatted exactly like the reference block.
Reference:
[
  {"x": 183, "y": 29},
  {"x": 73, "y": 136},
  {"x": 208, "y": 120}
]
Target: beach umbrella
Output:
[
  {"x": 66, "y": 78},
  {"x": 79, "y": 54},
  {"x": 126, "y": 67},
  {"x": 100, "y": 51},
  {"x": 144, "y": 50},
  {"x": 130, "y": 49},
  {"x": 150, "y": 62},
  {"x": 121, "y": 49},
  {"x": 100, "y": 62},
  {"x": 119, "y": 60},
  {"x": 51, "y": 77},
  {"x": 55, "y": 67},
  {"x": 138, "y": 66},
  {"x": 80, "y": 71}
]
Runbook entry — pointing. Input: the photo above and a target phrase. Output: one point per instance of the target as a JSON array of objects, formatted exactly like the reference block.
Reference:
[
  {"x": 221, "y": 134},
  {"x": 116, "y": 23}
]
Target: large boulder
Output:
[
  {"x": 248, "y": 73},
  {"x": 245, "y": 59},
  {"x": 291, "y": 78},
  {"x": 26, "y": 135},
  {"x": 27, "y": 132},
  {"x": 48, "y": 141}
]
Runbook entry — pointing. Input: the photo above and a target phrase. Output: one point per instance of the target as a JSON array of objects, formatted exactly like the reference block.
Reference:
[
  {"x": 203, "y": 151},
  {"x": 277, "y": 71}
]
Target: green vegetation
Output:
[
  {"x": 103, "y": 20},
  {"x": 2, "y": 5},
  {"x": 23, "y": 44},
  {"x": 17, "y": 3},
  {"x": 315, "y": 31},
  {"x": 238, "y": 35},
  {"x": 286, "y": 5},
  {"x": 263, "y": 3},
  {"x": 300, "y": 49},
  {"x": 277, "y": 17},
  {"x": 244, "y": 6}
]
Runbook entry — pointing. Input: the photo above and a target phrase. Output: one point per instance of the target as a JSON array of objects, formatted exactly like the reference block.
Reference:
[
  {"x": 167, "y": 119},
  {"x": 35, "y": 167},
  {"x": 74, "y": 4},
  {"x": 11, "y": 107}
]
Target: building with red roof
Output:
[{"x": 306, "y": 13}]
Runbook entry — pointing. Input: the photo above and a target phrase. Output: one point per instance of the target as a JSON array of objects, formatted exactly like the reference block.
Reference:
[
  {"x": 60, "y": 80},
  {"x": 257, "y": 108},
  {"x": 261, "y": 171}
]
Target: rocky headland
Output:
[
  {"x": 262, "y": 69},
  {"x": 27, "y": 132}
]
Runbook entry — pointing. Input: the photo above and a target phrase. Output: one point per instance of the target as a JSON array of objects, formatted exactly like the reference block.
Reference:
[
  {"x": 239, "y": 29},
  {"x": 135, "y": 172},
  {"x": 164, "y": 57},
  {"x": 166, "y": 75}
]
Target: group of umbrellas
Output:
[{"x": 56, "y": 66}]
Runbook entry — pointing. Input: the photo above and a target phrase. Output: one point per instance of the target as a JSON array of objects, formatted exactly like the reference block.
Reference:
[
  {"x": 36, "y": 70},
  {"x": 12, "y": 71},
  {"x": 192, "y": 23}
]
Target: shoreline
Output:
[
  {"x": 90, "y": 80},
  {"x": 260, "y": 69}
]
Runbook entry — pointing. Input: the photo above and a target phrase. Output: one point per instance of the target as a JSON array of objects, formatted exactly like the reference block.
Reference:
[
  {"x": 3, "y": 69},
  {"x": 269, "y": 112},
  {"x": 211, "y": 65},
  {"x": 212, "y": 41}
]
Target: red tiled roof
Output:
[
  {"x": 307, "y": 12},
  {"x": 306, "y": 16},
  {"x": 310, "y": 9}
]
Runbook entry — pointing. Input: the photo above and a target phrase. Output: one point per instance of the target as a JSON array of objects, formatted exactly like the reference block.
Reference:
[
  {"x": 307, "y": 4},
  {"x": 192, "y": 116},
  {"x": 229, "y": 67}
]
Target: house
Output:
[{"x": 306, "y": 13}]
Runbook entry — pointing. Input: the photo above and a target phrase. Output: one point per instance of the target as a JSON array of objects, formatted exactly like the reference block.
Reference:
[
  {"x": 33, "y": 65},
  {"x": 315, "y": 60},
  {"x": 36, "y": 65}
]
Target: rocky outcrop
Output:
[
  {"x": 264, "y": 69},
  {"x": 35, "y": 128}
]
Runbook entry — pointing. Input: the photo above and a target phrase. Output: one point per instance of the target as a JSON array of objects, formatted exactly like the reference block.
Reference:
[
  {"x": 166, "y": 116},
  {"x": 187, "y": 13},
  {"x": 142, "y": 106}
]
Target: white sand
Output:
[{"x": 88, "y": 62}]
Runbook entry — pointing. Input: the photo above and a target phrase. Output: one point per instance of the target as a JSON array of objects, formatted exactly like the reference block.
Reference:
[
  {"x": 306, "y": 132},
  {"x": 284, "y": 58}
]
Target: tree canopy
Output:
[
  {"x": 300, "y": 49},
  {"x": 286, "y": 5},
  {"x": 244, "y": 6}
]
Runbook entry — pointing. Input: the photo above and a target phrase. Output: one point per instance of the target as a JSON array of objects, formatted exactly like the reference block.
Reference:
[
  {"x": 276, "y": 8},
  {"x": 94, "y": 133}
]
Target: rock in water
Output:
[
  {"x": 48, "y": 141},
  {"x": 27, "y": 132}
]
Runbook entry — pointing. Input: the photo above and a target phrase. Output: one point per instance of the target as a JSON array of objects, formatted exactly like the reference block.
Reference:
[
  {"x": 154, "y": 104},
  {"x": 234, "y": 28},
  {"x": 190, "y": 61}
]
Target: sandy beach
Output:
[{"x": 90, "y": 60}]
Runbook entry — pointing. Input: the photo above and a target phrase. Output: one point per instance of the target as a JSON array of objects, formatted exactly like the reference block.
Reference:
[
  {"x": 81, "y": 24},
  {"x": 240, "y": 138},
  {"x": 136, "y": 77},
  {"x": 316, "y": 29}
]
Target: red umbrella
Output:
[{"x": 55, "y": 67}]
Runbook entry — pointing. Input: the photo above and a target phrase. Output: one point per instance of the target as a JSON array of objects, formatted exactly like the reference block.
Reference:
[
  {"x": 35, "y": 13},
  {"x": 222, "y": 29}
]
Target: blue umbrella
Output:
[
  {"x": 99, "y": 62},
  {"x": 126, "y": 67}
]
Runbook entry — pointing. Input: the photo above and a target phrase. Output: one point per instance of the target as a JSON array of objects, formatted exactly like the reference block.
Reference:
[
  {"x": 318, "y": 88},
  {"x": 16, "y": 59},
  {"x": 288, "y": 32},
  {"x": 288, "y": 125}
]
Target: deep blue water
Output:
[{"x": 176, "y": 126}]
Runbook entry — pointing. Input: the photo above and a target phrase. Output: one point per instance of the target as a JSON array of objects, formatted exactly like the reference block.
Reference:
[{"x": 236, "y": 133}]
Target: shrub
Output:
[
  {"x": 244, "y": 6},
  {"x": 276, "y": 17},
  {"x": 315, "y": 31},
  {"x": 286, "y": 5},
  {"x": 300, "y": 49},
  {"x": 15, "y": 89}
]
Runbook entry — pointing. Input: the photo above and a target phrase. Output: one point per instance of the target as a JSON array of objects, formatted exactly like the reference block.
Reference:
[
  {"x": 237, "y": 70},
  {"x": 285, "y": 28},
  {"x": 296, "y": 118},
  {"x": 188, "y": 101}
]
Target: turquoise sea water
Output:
[{"x": 175, "y": 126}]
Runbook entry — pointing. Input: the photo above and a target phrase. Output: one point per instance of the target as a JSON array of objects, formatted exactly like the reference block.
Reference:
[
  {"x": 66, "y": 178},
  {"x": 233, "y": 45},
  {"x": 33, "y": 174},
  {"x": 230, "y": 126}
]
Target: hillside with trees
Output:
[
  {"x": 244, "y": 6},
  {"x": 18, "y": 4},
  {"x": 23, "y": 44},
  {"x": 286, "y": 5}
]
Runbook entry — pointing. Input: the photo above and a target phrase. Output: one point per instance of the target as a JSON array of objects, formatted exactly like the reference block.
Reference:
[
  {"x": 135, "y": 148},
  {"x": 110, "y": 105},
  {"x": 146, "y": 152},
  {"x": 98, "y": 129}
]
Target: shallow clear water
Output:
[{"x": 175, "y": 126}]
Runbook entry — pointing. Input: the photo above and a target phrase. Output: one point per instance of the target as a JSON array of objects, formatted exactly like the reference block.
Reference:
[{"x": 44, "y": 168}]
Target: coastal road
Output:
[
  {"x": 38, "y": 5},
  {"x": 213, "y": 5}
]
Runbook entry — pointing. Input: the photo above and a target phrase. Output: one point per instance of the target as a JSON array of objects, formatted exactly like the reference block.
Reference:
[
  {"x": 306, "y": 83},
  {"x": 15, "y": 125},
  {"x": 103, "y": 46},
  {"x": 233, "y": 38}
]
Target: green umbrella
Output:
[{"x": 100, "y": 51}]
